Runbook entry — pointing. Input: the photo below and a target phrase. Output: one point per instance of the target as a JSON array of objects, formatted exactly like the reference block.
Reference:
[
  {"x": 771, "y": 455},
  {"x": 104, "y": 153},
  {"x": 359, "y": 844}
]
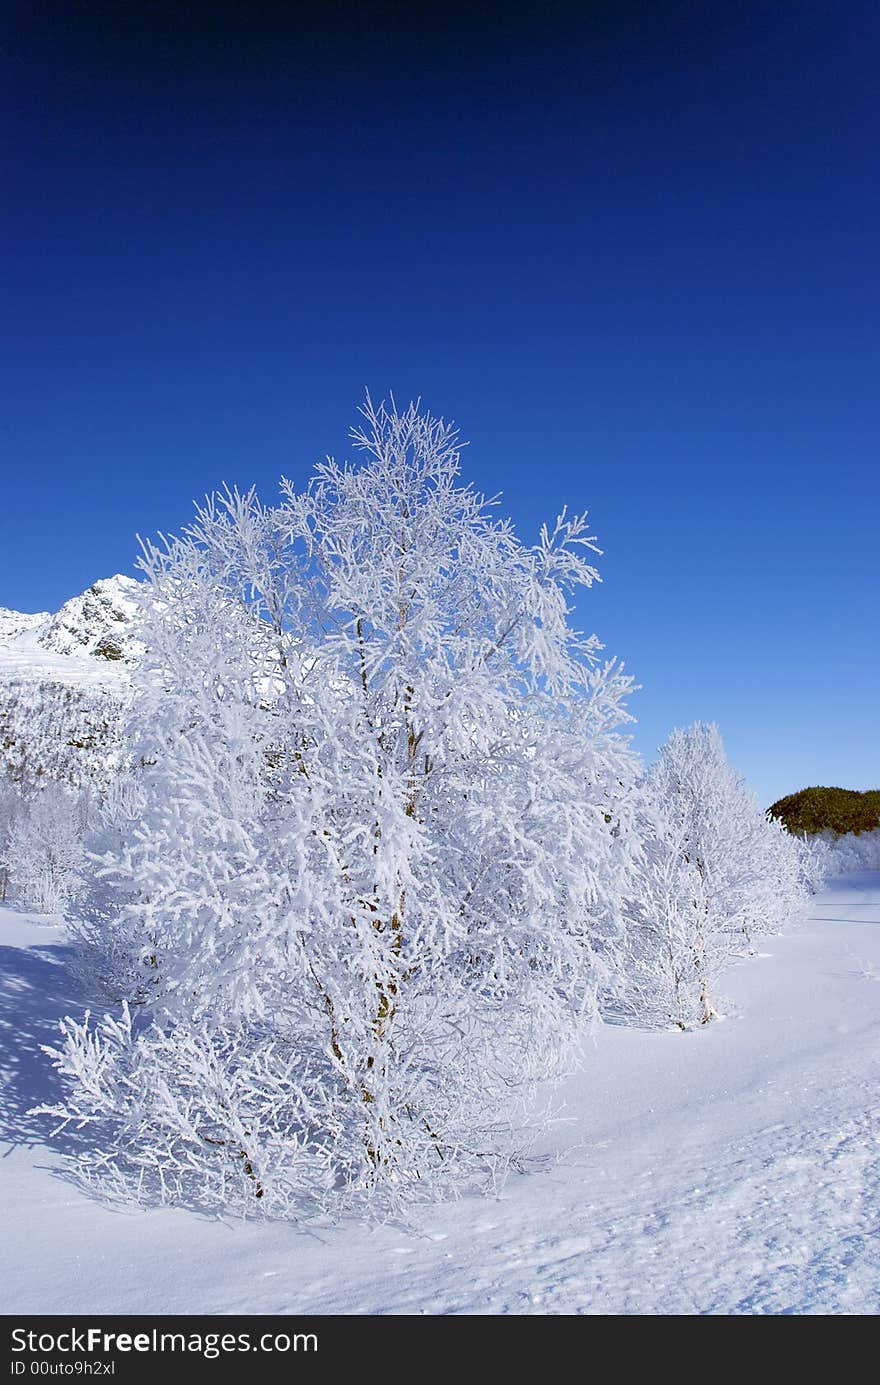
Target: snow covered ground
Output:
[{"x": 733, "y": 1170}]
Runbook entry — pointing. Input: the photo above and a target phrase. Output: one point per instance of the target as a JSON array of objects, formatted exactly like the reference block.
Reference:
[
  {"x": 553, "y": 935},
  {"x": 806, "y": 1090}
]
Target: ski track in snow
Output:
[{"x": 731, "y": 1171}]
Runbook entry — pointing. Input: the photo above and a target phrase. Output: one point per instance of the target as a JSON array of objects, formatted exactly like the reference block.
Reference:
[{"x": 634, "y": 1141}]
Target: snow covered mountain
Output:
[
  {"x": 98, "y": 623},
  {"x": 64, "y": 681}
]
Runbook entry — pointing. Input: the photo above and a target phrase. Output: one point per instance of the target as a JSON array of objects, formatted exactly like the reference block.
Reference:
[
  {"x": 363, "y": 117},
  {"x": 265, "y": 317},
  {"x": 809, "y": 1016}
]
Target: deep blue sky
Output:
[{"x": 631, "y": 249}]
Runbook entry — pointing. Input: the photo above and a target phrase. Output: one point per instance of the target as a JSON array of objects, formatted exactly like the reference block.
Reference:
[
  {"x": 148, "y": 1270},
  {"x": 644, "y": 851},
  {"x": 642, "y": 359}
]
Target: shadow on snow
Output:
[{"x": 37, "y": 989}]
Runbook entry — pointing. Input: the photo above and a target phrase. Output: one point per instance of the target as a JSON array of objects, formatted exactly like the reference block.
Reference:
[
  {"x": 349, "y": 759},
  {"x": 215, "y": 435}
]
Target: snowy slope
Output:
[
  {"x": 13, "y": 623},
  {"x": 733, "y": 1170},
  {"x": 64, "y": 680}
]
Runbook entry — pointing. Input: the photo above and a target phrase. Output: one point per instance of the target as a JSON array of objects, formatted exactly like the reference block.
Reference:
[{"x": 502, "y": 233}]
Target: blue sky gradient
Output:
[{"x": 631, "y": 249}]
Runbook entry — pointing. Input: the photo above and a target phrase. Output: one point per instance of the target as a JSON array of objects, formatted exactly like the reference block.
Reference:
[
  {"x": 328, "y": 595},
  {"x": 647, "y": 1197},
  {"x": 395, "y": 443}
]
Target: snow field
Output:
[{"x": 731, "y": 1170}]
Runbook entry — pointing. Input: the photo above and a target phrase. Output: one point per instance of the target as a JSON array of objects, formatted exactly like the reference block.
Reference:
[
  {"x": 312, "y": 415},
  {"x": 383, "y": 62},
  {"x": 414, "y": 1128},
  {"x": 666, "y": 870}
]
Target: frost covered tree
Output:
[
  {"x": 785, "y": 875},
  {"x": 11, "y": 808},
  {"x": 360, "y": 886},
  {"x": 851, "y": 851},
  {"x": 44, "y": 850},
  {"x": 661, "y": 971},
  {"x": 712, "y": 875},
  {"x": 815, "y": 861},
  {"x": 108, "y": 956}
]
